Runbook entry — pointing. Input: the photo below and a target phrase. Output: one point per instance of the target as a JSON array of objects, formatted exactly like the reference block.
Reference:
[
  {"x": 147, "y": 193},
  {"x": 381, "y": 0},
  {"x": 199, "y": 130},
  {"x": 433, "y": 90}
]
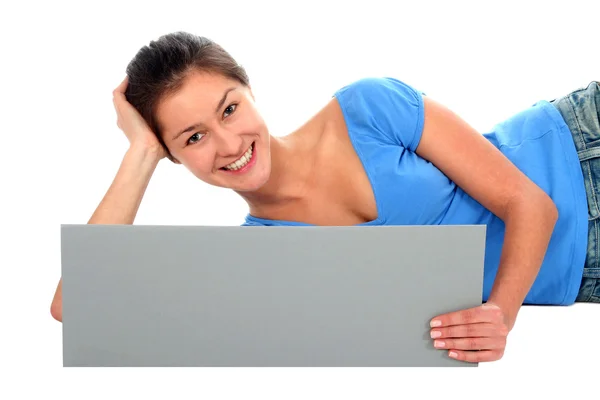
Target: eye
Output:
[
  {"x": 230, "y": 110},
  {"x": 195, "y": 138}
]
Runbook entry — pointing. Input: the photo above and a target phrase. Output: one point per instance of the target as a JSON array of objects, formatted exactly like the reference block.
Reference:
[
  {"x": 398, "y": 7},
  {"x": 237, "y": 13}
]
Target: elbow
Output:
[
  {"x": 535, "y": 204},
  {"x": 56, "y": 310},
  {"x": 549, "y": 208},
  {"x": 554, "y": 212},
  {"x": 547, "y": 211},
  {"x": 56, "y": 307}
]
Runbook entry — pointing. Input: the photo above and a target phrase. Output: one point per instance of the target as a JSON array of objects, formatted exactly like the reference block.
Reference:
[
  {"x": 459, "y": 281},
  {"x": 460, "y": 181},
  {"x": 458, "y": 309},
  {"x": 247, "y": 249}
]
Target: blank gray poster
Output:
[{"x": 264, "y": 296}]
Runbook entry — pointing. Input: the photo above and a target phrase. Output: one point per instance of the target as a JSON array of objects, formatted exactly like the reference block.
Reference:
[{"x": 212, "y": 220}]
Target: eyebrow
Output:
[{"x": 197, "y": 125}]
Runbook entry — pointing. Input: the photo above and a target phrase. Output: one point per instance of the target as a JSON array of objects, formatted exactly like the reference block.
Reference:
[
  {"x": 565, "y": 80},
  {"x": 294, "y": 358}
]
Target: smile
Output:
[{"x": 242, "y": 161}]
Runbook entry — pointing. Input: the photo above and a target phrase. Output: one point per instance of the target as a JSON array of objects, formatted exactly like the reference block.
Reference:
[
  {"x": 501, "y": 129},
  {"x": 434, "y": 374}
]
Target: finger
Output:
[
  {"x": 484, "y": 329},
  {"x": 483, "y": 313},
  {"x": 487, "y": 343},
  {"x": 119, "y": 99},
  {"x": 122, "y": 86},
  {"x": 476, "y": 356}
]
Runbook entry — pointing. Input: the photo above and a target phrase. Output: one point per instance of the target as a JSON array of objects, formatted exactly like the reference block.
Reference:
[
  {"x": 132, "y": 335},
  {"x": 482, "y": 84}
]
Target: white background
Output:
[{"x": 61, "y": 148}]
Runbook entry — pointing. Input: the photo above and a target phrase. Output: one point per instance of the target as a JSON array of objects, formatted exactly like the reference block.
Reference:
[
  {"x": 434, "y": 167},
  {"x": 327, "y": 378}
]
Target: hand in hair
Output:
[{"x": 133, "y": 125}]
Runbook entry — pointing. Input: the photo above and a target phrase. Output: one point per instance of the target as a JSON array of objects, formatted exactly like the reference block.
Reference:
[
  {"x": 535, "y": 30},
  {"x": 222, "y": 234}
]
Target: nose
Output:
[{"x": 228, "y": 144}]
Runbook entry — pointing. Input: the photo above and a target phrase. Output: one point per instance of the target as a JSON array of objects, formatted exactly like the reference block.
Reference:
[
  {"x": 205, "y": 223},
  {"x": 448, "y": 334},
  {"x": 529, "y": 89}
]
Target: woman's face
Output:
[{"x": 212, "y": 127}]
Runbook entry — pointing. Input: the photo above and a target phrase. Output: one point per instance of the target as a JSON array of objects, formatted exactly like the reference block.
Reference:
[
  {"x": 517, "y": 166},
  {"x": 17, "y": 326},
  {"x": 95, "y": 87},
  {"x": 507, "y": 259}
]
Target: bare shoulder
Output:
[
  {"x": 334, "y": 136},
  {"x": 342, "y": 174},
  {"x": 325, "y": 134}
]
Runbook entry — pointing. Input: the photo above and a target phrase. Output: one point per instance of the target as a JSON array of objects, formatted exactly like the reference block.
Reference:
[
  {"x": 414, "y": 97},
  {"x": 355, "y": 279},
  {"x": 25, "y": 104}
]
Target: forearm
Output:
[
  {"x": 122, "y": 200},
  {"x": 528, "y": 227}
]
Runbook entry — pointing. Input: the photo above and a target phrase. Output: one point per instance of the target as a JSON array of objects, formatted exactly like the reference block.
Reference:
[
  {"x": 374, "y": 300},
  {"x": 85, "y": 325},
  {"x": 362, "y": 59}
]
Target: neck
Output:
[{"x": 292, "y": 161}]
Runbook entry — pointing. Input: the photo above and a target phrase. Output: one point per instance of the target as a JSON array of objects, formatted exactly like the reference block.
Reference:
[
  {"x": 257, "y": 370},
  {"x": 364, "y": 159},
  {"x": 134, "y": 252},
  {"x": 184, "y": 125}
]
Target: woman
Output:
[{"x": 378, "y": 153}]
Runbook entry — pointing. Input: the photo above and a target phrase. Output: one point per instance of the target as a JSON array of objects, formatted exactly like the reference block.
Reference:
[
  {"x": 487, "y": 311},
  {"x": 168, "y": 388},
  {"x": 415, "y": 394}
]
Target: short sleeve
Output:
[
  {"x": 389, "y": 106},
  {"x": 252, "y": 221}
]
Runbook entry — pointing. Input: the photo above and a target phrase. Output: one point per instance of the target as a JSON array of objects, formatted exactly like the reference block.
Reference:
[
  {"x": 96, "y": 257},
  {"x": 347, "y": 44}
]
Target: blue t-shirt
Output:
[{"x": 385, "y": 119}]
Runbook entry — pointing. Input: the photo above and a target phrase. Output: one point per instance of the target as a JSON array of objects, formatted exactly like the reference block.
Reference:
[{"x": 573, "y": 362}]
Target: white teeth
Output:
[{"x": 242, "y": 161}]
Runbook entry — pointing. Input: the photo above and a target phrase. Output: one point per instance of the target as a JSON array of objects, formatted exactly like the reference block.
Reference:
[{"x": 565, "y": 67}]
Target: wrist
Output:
[
  {"x": 151, "y": 154},
  {"x": 509, "y": 311}
]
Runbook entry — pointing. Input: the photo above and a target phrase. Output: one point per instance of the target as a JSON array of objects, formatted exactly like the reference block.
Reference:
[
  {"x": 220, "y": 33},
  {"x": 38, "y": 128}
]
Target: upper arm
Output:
[
  {"x": 421, "y": 125},
  {"x": 468, "y": 159},
  {"x": 388, "y": 107}
]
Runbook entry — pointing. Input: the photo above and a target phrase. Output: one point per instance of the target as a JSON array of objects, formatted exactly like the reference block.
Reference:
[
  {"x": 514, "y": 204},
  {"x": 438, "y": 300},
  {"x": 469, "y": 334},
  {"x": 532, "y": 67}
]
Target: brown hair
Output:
[{"x": 159, "y": 69}]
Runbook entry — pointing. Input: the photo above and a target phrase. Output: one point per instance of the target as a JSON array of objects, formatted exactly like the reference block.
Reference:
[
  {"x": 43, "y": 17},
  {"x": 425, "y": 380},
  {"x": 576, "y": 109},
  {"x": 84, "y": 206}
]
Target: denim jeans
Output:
[{"x": 581, "y": 111}]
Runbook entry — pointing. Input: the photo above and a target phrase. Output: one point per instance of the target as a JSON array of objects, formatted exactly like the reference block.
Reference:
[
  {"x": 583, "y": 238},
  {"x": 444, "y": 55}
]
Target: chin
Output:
[
  {"x": 253, "y": 185},
  {"x": 249, "y": 188}
]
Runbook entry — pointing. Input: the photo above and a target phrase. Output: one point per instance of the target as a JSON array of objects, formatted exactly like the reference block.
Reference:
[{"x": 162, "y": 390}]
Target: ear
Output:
[{"x": 251, "y": 93}]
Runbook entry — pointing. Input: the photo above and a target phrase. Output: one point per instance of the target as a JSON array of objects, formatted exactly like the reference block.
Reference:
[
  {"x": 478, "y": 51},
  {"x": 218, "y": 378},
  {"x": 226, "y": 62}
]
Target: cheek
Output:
[
  {"x": 246, "y": 126},
  {"x": 197, "y": 162},
  {"x": 254, "y": 122}
]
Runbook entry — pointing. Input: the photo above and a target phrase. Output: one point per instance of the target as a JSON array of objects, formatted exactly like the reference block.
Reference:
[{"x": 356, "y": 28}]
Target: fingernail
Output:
[
  {"x": 436, "y": 322},
  {"x": 439, "y": 343},
  {"x": 435, "y": 334},
  {"x": 453, "y": 354}
]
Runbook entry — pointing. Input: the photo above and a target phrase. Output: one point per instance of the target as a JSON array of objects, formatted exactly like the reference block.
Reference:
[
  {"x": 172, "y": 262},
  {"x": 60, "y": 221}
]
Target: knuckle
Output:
[
  {"x": 497, "y": 313},
  {"x": 468, "y": 316},
  {"x": 469, "y": 330},
  {"x": 503, "y": 342},
  {"x": 453, "y": 331},
  {"x": 494, "y": 344},
  {"x": 472, "y": 343}
]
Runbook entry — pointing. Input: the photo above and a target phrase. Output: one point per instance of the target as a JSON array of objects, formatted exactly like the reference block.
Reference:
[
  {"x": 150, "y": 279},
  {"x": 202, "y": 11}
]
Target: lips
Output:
[
  {"x": 244, "y": 163},
  {"x": 241, "y": 162}
]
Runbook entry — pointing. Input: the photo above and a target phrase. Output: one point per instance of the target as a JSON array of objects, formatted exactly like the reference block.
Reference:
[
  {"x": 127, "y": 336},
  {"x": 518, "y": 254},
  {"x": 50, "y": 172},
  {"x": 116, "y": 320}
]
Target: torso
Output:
[{"x": 340, "y": 193}]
